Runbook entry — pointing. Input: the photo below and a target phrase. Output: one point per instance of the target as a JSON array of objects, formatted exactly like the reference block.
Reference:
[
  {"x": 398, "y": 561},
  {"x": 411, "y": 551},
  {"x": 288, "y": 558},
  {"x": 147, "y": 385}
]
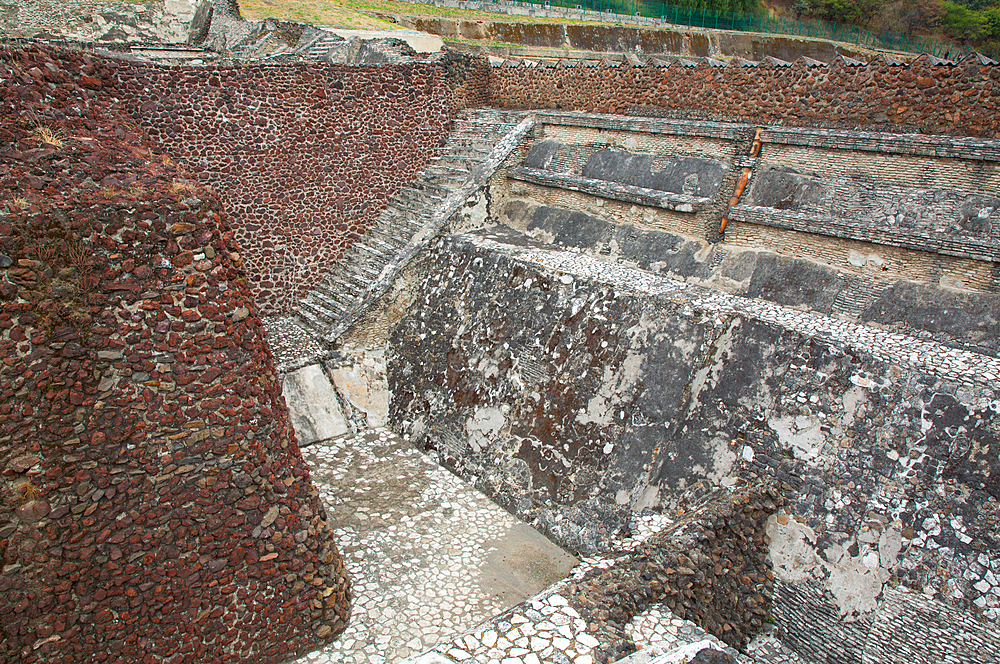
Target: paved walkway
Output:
[
  {"x": 430, "y": 557},
  {"x": 439, "y": 569}
]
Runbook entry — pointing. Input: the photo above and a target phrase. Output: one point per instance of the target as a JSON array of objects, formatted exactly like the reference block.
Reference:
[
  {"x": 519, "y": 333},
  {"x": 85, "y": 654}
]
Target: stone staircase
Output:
[
  {"x": 479, "y": 141},
  {"x": 320, "y": 45}
]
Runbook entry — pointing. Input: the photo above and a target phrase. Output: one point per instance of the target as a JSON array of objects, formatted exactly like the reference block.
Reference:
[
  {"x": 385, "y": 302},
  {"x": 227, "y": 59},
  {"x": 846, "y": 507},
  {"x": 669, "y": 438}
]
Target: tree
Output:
[
  {"x": 963, "y": 23},
  {"x": 920, "y": 14},
  {"x": 857, "y": 12}
]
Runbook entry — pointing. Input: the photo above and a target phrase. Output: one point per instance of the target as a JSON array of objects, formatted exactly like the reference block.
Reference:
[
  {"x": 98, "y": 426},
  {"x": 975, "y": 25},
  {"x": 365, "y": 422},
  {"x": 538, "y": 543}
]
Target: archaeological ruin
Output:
[{"x": 323, "y": 349}]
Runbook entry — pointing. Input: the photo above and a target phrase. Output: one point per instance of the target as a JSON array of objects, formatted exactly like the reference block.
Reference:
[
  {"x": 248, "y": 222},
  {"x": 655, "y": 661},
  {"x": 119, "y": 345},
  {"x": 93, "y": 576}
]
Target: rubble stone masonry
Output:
[
  {"x": 154, "y": 506},
  {"x": 958, "y": 100},
  {"x": 303, "y": 156}
]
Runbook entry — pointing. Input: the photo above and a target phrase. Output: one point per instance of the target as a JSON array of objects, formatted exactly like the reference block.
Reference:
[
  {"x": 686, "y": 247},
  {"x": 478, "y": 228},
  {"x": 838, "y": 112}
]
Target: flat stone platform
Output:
[{"x": 430, "y": 557}]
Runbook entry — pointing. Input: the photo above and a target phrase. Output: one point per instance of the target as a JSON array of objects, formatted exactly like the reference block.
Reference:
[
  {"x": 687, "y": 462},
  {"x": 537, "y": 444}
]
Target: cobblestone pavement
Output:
[
  {"x": 427, "y": 553},
  {"x": 545, "y": 629},
  {"x": 660, "y": 631},
  {"x": 434, "y": 570}
]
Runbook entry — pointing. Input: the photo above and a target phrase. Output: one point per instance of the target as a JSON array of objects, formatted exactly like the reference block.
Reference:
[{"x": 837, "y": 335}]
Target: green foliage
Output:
[
  {"x": 920, "y": 15},
  {"x": 745, "y": 6},
  {"x": 979, "y": 4},
  {"x": 969, "y": 25},
  {"x": 856, "y": 12}
]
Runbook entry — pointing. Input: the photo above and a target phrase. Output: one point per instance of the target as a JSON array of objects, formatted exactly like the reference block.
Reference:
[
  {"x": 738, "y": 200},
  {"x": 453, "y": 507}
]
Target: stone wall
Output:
[
  {"x": 642, "y": 40},
  {"x": 958, "y": 100},
  {"x": 575, "y": 391},
  {"x": 710, "y": 567},
  {"x": 812, "y": 228},
  {"x": 304, "y": 157},
  {"x": 106, "y": 21},
  {"x": 154, "y": 505}
]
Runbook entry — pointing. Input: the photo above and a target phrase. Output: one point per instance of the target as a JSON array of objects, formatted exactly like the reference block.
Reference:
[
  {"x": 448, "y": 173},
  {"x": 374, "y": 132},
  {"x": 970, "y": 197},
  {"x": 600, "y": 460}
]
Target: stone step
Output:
[
  {"x": 491, "y": 115},
  {"x": 447, "y": 172},
  {"x": 462, "y": 153},
  {"x": 318, "y": 310},
  {"x": 417, "y": 198},
  {"x": 331, "y": 301},
  {"x": 473, "y": 137},
  {"x": 449, "y": 180},
  {"x": 432, "y": 193},
  {"x": 321, "y": 46},
  {"x": 408, "y": 218},
  {"x": 457, "y": 161},
  {"x": 350, "y": 274},
  {"x": 497, "y": 123},
  {"x": 391, "y": 232},
  {"x": 411, "y": 213},
  {"x": 431, "y": 187},
  {"x": 365, "y": 269},
  {"x": 341, "y": 284},
  {"x": 387, "y": 248},
  {"x": 478, "y": 131},
  {"x": 470, "y": 143},
  {"x": 309, "y": 320},
  {"x": 374, "y": 253}
]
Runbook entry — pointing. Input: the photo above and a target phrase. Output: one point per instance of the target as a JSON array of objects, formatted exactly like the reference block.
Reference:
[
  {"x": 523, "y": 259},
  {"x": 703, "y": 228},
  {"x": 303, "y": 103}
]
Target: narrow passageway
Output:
[{"x": 429, "y": 556}]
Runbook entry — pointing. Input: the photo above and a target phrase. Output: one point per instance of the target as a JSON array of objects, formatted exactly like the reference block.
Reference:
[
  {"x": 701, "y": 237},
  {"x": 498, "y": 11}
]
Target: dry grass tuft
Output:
[
  {"x": 28, "y": 491},
  {"x": 47, "y": 135},
  {"x": 179, "y": 187}
]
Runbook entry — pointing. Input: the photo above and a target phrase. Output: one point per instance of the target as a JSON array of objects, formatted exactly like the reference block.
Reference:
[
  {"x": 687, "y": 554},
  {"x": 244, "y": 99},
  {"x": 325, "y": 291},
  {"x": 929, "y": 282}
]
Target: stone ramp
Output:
[{"x": 429, "y": 556}]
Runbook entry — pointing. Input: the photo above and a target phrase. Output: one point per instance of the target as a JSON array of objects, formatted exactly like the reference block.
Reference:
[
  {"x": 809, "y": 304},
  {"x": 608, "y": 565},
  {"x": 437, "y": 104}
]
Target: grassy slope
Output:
[{"x": 362, "y": 13}]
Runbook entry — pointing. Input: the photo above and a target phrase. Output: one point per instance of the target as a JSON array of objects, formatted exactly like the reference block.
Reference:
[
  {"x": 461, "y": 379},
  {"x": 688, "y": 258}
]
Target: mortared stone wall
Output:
[
  {"x": 154, "y": 506},
  {"x": 924, "y": 97},
  {"x": 304, "y": 157}
]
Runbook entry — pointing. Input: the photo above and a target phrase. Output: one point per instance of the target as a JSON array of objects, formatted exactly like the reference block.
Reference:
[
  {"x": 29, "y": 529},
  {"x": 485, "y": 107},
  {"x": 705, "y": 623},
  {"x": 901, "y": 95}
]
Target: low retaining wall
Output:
[{"x": 627, "y": 39}]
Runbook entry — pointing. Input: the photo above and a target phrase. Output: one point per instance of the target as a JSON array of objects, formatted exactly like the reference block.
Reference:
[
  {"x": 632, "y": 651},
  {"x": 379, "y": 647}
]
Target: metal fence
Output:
[{"x": 887, "y": 40}]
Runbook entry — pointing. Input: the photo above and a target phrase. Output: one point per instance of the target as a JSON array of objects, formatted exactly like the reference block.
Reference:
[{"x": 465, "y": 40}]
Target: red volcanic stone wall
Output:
[
  {"x": 303, "y": 156},
  {"x": 962, "y": 100},
  {"x": 154, "y": 506}
]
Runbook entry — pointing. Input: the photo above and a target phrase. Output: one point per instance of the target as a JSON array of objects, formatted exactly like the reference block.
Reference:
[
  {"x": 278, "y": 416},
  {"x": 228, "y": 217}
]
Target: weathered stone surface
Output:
[
  {"x": 573, "y": 401},
  {"x": 785, "y": 189},
  {"x": 680, "y": 175},
  {"x": 974, "y": 316},
  {"x": 312, "y": 405},
  {"x": 792, "y": 282},
  {"x": 657, "y": 251}
]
